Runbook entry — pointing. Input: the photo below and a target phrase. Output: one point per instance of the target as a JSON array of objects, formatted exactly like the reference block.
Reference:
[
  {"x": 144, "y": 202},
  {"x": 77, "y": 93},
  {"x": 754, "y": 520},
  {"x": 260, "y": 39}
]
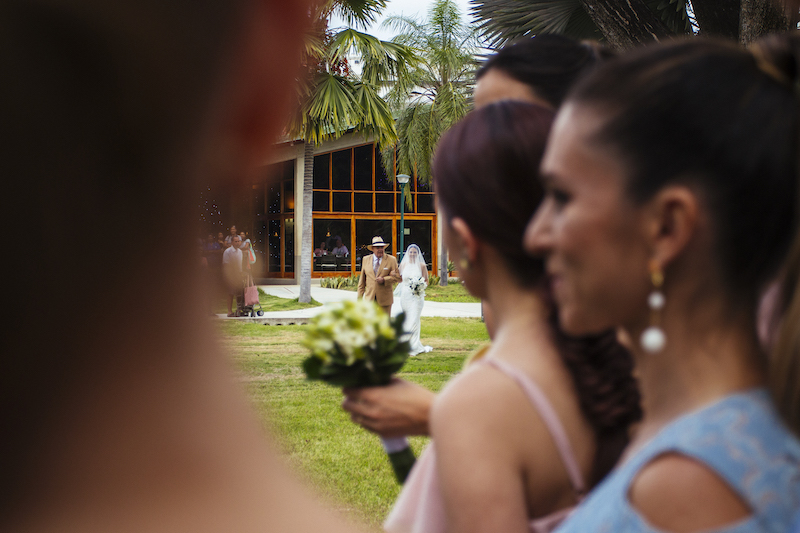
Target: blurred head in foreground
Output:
[{"x": 118, "y": 113}]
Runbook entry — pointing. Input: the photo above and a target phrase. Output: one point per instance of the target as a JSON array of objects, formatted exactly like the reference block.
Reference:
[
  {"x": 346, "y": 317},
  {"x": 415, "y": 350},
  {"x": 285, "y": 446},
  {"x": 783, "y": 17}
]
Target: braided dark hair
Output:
[{"x": 602, "y": 370}]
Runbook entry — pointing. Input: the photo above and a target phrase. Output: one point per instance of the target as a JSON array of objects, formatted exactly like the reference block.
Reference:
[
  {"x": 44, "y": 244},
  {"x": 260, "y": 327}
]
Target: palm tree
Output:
[
  {"x": 627, "y": 24},
  {"x": 505, "y": 20},
  {"x": 333, "y": 101},
  {"x": 435, "y": 93}
]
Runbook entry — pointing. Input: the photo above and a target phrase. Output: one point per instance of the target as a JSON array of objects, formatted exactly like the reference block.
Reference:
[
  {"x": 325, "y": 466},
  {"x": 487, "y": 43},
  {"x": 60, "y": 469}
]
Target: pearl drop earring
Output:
[{"x": 653, "y": 338}]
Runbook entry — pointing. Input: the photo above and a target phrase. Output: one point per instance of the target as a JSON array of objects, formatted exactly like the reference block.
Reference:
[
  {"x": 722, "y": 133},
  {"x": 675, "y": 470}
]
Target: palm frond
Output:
[
  {"x": 331, "y": 110},
  {"x": 674, "y": 14},
  {"x": 358, "y": 13},
  {"x": 502, "y": 21},
  {"x": 376, "y": 118},
  {"x": 382, "y": 60}
]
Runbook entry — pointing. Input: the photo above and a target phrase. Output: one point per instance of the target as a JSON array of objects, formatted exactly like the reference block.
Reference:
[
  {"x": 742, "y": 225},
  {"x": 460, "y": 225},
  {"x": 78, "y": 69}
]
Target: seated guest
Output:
[
  {"x": 322, "y": 250},
  {"x": 340, "y": 248}
]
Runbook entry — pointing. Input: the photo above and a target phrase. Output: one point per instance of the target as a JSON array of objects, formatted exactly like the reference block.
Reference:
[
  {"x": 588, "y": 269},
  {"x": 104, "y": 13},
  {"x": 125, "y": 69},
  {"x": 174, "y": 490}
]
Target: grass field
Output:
[
  {"x": 454, "y": 291},
  {"x": 268, "y": 303},
  {"x": 336, "y": 457}
]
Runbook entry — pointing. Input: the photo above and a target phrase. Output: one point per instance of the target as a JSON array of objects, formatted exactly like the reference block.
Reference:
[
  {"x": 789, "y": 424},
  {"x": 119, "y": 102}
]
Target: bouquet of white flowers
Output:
[
  {"x": 356, "y": 344},
  {"x": 417, "y": 287}
]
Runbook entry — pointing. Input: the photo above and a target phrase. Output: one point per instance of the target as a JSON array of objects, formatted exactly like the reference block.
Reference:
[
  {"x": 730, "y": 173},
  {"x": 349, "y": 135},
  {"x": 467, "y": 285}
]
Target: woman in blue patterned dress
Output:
[{"x": 672, "y": 179}]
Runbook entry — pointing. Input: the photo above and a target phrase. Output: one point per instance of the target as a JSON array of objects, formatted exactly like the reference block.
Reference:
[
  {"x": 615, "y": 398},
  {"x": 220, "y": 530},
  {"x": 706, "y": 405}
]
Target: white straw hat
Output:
[{"x": 377, "y": 241}]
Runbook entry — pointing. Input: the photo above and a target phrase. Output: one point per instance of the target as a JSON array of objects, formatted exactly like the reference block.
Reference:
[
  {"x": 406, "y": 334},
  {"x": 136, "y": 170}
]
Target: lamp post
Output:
[{"x": 402, "y": 179}]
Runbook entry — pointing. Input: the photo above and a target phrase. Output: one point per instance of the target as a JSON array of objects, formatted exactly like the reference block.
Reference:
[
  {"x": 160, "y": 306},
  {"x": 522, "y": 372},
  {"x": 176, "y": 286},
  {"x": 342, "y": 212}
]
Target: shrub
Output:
[
  {"x": 339, "y": 282},
  {"x": 433, "y": 280}
]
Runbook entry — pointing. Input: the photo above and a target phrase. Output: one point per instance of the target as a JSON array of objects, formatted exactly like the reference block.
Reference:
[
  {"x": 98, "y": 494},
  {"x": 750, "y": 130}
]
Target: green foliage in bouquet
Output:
[{"x": 355, "y": 344}]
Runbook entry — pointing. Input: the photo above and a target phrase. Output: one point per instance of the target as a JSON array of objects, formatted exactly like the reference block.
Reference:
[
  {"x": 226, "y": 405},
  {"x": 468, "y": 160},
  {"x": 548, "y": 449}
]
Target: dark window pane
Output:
[
  {"x": 288, "y": 170},
  {"x": 408, "y": 208},
  {"x": 384, "y": 203},
  {"x": 341, "y": 202},
  {"x": 274, "y": 197},
  {"x": 275, "y": 245},
  {"x": 425, "y": 203},
  {"x": 365, "y": 231},
  {"x": 321, "y": 201},
  {"x": 322, "y": 171},
  {"x": 260, "y": 242},
  {"x": 258, "y": 199},
  {"x": 288, "y": 197},
  {"x": 362, "y": 175},
  {"x": 382, "y": 182},
  {"x": 363, "y": 202},
  {"x": 380, "y": 173},
  {"x": 418, "y": 232},
  {"x": 328, "y": 233},
  {"x": 288, "y": 249},
  {"x": 424, "y": 187},
  {"x": 341, "y": 170}
]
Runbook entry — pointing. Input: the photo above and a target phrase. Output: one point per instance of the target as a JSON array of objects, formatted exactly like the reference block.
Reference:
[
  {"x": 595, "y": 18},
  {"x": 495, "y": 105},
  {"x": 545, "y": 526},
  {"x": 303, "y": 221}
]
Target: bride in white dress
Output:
[{"x": 415, "y": 273}]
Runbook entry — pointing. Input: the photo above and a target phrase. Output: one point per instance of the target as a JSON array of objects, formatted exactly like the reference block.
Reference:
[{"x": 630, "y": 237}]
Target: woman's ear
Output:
[
  {"x": 673, "y": 222},
  {"x": 467, "y": 245}
]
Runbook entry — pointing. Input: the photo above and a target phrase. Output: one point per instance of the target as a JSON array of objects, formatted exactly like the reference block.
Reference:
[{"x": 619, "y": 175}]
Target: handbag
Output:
[{"x": 250, "y": 292}]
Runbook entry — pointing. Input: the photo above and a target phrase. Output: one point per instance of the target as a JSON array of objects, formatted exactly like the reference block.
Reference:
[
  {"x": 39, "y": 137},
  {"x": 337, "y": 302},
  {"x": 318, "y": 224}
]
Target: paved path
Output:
[{"x": 324, "y": 296}]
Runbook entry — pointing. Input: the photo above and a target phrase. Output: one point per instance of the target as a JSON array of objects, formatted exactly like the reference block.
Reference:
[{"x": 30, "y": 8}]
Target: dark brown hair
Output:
[
  {"x": 549, "y": 64},
  {"x": 486, "y": 173},
  {"x": 711, "y": 114},
  {"x": 707, "y": 113}
]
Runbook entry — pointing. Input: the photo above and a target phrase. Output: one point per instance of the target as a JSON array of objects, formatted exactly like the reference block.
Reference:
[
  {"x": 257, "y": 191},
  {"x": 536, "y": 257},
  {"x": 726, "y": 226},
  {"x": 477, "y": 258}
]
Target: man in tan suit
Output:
[{"x": 378, "y": 273}]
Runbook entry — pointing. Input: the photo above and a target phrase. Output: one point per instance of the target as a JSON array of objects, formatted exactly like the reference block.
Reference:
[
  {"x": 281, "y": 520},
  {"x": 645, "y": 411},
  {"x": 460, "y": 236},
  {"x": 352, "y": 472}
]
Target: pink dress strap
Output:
[{"x": 550, "y": 419}]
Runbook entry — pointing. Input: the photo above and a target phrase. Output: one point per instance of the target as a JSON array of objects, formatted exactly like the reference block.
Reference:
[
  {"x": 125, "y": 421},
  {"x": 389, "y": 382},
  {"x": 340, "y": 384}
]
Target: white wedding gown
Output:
[{"x": 412, "y": 307}]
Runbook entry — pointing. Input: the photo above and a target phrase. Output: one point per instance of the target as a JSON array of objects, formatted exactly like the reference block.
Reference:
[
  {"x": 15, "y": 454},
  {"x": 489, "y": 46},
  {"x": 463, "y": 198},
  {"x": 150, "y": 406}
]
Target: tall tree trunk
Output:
[
  {"x": 718, "y": 19},
  {"x": 306, "y": 246},
  {"x": 626, "y": 23},
  {"x": 761, "y": 17}
]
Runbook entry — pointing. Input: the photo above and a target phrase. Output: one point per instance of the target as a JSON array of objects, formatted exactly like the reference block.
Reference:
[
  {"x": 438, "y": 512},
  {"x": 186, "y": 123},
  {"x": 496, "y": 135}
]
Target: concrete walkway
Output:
[{"x": 324, "y": 296}]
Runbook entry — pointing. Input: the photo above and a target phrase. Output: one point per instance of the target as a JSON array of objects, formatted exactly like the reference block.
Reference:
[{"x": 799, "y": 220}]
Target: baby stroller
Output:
[{"x": 251, "y": 299}]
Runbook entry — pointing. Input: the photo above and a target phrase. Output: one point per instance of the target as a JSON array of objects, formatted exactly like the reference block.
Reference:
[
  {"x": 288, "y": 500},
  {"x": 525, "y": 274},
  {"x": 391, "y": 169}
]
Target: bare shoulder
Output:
[
  {"x": 478, "y": 401},
  {"x": 667, "y": 490}
]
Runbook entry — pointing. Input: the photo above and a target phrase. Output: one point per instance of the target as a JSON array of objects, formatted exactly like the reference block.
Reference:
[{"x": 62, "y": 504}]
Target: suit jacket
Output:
[{"x": 368, "y": 287}]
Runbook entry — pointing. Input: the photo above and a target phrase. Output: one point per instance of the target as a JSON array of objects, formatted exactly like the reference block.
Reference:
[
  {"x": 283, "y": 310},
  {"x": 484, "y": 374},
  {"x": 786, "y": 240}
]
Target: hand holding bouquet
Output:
[
  {"x": 356, "y": 344},
  {"x": 417, "y": 287}
]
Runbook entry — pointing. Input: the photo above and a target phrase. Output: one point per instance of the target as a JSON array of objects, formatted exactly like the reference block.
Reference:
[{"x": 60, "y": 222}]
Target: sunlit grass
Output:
[{"x": 336, "y": 457}]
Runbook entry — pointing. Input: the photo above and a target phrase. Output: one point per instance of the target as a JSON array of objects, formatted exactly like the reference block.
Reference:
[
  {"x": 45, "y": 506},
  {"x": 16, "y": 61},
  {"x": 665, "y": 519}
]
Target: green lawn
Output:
[
  {"x": 339, "y": 459},
  {"x": 269, "y": 303},
  {"x": 453, "y": 292}
]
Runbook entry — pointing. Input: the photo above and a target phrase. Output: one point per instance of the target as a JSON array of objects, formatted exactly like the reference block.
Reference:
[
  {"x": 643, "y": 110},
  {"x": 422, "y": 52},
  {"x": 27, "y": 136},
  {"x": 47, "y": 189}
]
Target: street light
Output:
[{"x": 402, "y": 179}]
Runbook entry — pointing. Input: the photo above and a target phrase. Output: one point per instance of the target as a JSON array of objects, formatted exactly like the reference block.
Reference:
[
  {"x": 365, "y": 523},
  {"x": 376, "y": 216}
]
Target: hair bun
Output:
[{"x": 778, "y": 56}]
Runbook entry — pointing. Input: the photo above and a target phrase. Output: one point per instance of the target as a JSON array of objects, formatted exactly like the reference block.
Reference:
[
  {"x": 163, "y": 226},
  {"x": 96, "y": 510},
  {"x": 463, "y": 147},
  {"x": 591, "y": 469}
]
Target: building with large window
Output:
[{"x": 353, "y": 200}]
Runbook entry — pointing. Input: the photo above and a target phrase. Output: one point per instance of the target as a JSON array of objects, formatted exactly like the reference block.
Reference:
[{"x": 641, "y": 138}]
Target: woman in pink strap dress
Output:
[{"x": 519, "y": 437}]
